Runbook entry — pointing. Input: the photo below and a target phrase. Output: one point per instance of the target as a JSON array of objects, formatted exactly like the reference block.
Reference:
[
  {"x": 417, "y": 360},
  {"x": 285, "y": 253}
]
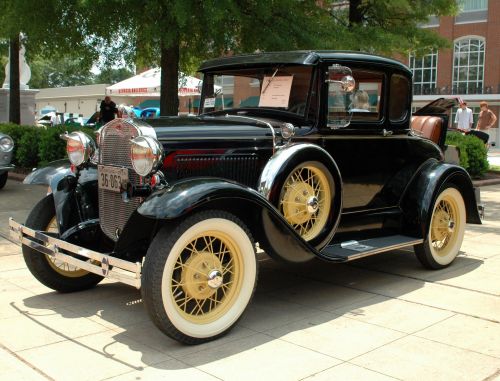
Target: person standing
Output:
[
  {"x": 463, "y": 118},
  {"x": 108, "y": 110},
  {"x": 486, "y": 118}
]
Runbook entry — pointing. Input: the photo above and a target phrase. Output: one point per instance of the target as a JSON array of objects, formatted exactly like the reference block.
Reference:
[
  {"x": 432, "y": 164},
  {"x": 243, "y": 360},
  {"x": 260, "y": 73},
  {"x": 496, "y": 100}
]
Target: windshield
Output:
[{"x": 284, "y": 88}]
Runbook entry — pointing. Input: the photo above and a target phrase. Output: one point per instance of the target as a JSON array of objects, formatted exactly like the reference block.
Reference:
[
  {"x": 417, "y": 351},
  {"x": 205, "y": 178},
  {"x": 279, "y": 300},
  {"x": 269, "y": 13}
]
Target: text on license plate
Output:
[{"x": 112, "y": 178}]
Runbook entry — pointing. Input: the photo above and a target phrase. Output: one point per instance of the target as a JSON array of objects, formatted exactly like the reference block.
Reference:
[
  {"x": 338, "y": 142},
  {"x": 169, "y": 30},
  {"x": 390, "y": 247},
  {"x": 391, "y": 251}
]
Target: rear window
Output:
[{"x": 399, "y": 96}]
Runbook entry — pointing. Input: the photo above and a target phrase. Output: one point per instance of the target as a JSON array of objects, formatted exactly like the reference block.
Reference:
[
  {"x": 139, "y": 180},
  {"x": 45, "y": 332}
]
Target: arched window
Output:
[{"x": 468, "y": 66}]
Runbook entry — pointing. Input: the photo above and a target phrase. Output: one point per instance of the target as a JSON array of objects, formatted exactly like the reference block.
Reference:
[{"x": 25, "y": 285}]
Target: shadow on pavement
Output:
[{"x": 288, "y": 298}]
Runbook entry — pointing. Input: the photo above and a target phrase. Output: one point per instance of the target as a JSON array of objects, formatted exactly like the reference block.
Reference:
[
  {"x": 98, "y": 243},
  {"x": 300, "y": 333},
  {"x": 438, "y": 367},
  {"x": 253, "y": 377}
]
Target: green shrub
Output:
[
  {"x": 473, "y": 153},
  {"x": 51, "y": 147},
  {"x": 27, "y": 150},
  {"x": 37, "y": 146}
]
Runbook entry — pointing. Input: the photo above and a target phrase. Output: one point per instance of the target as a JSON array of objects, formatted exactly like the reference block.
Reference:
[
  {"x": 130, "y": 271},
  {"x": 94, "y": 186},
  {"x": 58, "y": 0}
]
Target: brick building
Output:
[{"x": 471, "y": 68}]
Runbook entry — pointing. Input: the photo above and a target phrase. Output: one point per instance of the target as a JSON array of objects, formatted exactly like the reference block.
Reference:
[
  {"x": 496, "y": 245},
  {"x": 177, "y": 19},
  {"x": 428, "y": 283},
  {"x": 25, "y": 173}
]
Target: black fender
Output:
[
  {"x": 267, "y": 225},
  {"x": 422, "y": 192},
  {"x": 280, "y": 166},
  {"x": 44, "y": 175},
  {"x": 75, "y": 198}
]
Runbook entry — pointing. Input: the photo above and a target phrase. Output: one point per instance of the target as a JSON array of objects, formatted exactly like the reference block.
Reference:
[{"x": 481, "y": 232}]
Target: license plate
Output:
[{"x": 112, "y": 178}]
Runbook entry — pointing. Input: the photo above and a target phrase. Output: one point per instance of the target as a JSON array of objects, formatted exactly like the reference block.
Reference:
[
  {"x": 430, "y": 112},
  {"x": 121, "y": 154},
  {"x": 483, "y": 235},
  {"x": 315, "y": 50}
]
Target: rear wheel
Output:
[
  {"x": 446, "y": 231},
  {"x": 50, "y": 271},
  {"x": 199, "y": 277},
  {"x": 306, "y": 199}
]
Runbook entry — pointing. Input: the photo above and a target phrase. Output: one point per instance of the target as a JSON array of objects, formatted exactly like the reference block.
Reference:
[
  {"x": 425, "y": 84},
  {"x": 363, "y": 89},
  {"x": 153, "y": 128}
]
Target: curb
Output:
[
  {"x": 16, "y": 176},
  {"x": 483, "y": 183}
]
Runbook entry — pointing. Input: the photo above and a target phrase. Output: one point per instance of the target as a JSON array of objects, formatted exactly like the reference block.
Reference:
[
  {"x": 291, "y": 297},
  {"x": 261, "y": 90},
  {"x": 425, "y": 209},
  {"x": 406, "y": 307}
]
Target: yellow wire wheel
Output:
[
  {"x": 206, "y": 277},
  {"x": 306, "y": 198},
  {"x": 62, "y": 268},
  {"x": 446, "y": 230},
  {"x": 209, "y": 276}
]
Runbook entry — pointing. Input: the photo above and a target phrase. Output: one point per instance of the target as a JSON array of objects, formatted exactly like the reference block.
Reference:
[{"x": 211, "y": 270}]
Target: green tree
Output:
[
  {"x": 59, "y": 72},
  {"x": 48, "y": 27},
  {"x": 113, "y": 75},
  {"x": 177, "y": 34},
  {"x": 389, "y": 26}
]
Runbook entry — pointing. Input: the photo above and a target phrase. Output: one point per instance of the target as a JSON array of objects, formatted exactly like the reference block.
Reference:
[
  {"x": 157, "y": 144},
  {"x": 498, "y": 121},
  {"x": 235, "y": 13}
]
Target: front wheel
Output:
[
  {"x": 3, "y": 179},
  {"x": 199, "y": 277},
  {"x": 49, "y": 271},
  {"x": 446, "y": 231}
]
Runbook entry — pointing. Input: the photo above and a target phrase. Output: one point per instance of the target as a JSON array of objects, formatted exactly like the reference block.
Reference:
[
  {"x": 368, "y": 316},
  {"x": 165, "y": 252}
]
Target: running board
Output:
[{"x": 350, "y": 250}]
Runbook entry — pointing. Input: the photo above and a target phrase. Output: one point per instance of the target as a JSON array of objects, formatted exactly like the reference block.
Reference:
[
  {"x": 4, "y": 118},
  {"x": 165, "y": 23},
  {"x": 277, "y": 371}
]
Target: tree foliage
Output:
[
  {"x": 389, "y": 26},
  {"x": 60, "y": 72}
]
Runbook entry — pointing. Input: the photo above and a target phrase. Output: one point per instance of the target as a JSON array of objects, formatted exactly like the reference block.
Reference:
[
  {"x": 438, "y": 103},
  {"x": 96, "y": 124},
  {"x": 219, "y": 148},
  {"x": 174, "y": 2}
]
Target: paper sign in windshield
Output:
[
  {"x": 209, "y": 103},
  {"x": 276, "y": 91}
]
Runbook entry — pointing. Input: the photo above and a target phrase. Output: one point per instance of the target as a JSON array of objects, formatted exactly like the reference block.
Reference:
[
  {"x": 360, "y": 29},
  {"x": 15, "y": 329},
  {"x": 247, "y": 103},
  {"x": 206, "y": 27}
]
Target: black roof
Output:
[{"x": 300, "y": 57}]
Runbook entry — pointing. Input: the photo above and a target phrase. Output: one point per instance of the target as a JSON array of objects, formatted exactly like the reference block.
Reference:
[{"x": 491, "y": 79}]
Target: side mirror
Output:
[
  {"x": 348, "y": 84},
  {"x": 342, "y": 76}
]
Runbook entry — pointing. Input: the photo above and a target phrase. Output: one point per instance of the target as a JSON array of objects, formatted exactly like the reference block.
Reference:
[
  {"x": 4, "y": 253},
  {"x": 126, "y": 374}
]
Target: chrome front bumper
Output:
[{"x": 97, "y": 263}]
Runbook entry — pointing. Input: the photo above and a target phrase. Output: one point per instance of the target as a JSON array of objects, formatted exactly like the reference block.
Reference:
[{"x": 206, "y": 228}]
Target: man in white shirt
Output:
[{"x": 463, "y": 118}]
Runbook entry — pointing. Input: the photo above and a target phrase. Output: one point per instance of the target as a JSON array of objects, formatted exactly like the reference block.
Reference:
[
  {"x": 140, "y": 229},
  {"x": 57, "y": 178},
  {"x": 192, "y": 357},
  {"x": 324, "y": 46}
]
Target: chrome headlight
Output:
[
  {"x": 6, "y": 144},
  {"x": 79, "y": 146},
  {"x": 145, "y": 154},
  {"x": 287, "y": 131}
]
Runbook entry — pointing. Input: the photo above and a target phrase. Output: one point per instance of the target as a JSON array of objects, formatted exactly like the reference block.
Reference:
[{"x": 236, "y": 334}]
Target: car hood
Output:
[
  {"x": 221, "y": 127},
  {"x": 439, "y": 106}
]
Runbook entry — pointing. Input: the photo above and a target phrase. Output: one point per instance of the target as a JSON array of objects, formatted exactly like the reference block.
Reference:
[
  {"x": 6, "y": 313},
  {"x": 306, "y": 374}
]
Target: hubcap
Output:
[
  {"x": 215, "y": 279},
  {"x": 200, "y": 275},
  {"x": 312, "y": 205}
]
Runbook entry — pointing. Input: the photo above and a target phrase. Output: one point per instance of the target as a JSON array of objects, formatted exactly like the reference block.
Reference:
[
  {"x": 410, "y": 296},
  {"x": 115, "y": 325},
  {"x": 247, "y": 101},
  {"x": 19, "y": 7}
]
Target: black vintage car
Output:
[{"x": 304, "y": 155}]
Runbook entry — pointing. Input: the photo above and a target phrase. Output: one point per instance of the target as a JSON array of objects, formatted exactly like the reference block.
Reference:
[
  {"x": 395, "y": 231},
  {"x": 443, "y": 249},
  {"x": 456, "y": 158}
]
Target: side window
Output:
[
  {"x": 366, "y": 99},
  {"x": 399, "y": 95}
]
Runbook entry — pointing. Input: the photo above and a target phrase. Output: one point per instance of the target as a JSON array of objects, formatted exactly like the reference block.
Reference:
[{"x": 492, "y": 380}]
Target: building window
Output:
[
  {"x": 432, "y": 22},
  {"x": 472, "y": 11},
  {"x": 468, "y": 66},
  {"x": 424, "y": 71}
]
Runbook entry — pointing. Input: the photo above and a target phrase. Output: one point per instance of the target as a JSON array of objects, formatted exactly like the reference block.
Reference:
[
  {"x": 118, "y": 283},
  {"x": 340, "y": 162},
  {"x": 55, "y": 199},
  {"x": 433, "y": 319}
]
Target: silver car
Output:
[{"x": 6, "y": 149}]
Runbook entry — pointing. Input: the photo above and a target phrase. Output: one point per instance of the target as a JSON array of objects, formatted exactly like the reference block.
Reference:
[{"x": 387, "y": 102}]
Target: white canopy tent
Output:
[{"x": 147, "y": 84}]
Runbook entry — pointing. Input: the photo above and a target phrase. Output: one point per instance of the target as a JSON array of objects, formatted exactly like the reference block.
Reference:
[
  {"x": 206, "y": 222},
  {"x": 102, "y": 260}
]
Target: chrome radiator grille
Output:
[
  {"x": 114, "y": 150},
  {"x": 241, "y": 168}
]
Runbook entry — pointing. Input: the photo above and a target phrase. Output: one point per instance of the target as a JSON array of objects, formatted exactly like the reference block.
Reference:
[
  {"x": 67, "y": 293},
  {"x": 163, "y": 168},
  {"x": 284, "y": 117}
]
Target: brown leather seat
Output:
[{"x": 427, "y": 126}]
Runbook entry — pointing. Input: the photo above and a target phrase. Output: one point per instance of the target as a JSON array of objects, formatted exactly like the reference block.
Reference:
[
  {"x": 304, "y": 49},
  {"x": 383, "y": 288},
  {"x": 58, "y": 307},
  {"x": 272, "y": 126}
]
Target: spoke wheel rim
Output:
[
  {"x": 445, "y": 226},
  {"x": 206, "y": 277},
  {"x": 305, "y": 200},
  {"x": 62, "y": 268}
]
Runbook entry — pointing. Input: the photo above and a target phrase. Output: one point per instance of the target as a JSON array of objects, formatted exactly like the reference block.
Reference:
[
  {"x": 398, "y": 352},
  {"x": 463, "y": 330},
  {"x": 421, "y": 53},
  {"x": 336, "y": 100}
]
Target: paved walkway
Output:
[
  {"x": 381, "y": 318},
  {"x": 494, "y": 156}
]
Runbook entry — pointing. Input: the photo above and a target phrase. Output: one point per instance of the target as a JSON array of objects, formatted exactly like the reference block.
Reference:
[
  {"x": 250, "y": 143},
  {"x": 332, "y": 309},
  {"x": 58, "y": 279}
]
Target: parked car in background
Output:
[
  {"x": 280, "y": 155},
  {"x": 6, "y": 149},
  {"x": 150, "y": 112}
]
